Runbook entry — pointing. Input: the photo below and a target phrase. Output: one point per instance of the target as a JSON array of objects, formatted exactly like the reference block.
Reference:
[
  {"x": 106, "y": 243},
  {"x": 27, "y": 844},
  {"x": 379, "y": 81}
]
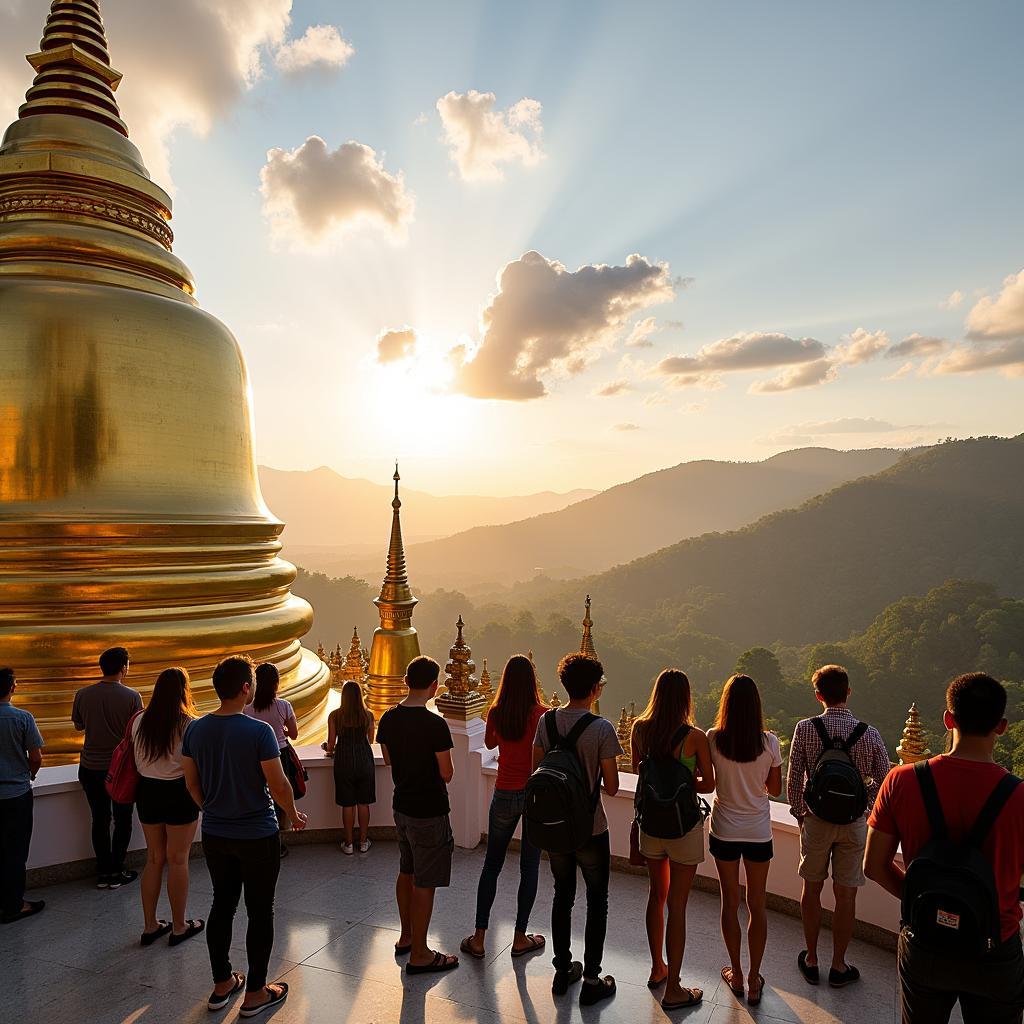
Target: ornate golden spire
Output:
[
  {"x": 485, "y": 689},
  {"x": 555, "y": 702},
  {"x": 460, "y": 699},
  {"x": 587, "y": 643},
  {"x": 913, "y": 747},
  {"x": 623, "y": 729},
  {"x": 354, "y": 667}
]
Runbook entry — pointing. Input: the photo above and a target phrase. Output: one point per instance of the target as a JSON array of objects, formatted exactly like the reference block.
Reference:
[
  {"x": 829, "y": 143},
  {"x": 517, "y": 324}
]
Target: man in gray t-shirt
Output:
[
  {"x": 102, "y": 711},
  {"x": 582, "y": 678}
]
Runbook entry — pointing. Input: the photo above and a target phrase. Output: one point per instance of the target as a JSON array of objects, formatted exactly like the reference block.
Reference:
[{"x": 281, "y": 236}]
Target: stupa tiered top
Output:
[
  {"x": 913, "y": 746},
  {"x": 460, "y": 699},
  {"x": 587, "y": 647}
]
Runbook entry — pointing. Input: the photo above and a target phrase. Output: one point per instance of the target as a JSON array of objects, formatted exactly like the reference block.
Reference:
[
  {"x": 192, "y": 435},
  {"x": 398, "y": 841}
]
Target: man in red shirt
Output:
[{"x": 990, "y": 989}]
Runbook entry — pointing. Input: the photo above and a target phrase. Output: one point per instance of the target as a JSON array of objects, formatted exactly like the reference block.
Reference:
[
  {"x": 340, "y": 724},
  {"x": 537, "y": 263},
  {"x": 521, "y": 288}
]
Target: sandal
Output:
[
  {"x": 273, "y": 1000},
  {"x": 693, "y": 997},
  {"x": 536, "y": 942},
  {"x": 194, "y": 928},
  {"x": 441, "y": 962},
  {"x": 726, "y": 975},
  {"x": 755, "y": 1000},
  {"x": 467, "y": 948},
  {"x": 403, "y": 950},
  {"x": 217, "y": 1002},
  {"x": 148, "y": 938}
]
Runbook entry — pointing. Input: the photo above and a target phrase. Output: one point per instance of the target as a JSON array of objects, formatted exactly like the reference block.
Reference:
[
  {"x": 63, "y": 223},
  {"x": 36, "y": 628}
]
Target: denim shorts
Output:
[{"x": 425, "y": 847}]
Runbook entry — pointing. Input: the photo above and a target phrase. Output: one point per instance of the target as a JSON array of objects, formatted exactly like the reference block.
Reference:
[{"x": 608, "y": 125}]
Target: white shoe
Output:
[
  {"x": 364, "y": 846},
  {"x": 348, "y": 849}
]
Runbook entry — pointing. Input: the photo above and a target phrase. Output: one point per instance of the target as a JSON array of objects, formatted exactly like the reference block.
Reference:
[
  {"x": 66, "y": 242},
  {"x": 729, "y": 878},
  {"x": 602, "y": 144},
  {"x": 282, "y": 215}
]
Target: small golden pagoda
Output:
[
  {"x": 587, "y": 646},
  {"x": 320, "y": 652},
  {"x": 353, "y": 667},
  {"x": 395, "y": 642},
  {"x": 130, "y": 510},
  {"x": 555, "y": 701},
  {"x": 460, "y": 699},
  {"x": 913, "y": 747},
  {"x": 485, "y": 689},
  {"x": 623, "y": 729}
]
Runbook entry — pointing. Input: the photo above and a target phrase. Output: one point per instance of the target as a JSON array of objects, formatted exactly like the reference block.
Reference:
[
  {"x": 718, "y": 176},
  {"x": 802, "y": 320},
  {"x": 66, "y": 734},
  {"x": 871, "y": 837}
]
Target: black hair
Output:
[
  {"x": 832, "y": 682},
  {"x": 6, "y": 682},
  {"x": 113, "y": 661},
  {"x": 268, "y": 678},
  {"x": 579, "y": 674},
  {"x": 231, "y": 675},
  {"x": 977, "y": 703},
  {"x": 422, "y": 673}
]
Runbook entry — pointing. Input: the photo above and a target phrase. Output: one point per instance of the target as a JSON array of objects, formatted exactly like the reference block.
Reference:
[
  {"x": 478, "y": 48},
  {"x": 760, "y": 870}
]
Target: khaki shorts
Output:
[
  {"x": 425, "y": 847},
  {"x": 843, "y": 845},
  {"x": 688, "y": 849}
]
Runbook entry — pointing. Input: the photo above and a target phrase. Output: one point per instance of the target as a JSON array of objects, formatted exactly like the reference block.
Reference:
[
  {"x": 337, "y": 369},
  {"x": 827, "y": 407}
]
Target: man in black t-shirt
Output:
[{"x": 417, "y": 744}]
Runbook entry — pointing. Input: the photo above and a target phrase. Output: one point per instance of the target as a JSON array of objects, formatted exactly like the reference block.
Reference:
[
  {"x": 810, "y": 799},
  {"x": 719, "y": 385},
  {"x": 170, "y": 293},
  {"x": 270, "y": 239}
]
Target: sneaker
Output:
[
  {"x": 103, "y": 881},
  {"x": 594, "y": 991},
  {"x": 563, "y": 979},
  {"x": 839, "y": 979},
  {"x": 120, "y": 878},
  {"x": 364, "y": 846},
  {"x": 348, "y": 849}
]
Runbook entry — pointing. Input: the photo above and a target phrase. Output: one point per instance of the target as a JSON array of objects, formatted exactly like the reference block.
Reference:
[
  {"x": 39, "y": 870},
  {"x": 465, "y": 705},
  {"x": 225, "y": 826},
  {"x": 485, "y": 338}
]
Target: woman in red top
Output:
[{"x": 511, "y": 727}]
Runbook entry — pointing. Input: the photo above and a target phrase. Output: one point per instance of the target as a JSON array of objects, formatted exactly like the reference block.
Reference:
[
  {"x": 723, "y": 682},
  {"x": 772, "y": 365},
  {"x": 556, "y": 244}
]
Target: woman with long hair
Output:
[
  {"x": 748, "y": 768},
  {"x": 511, "y": 727},
  {"x": 666, "y": 730},
  {"x": 167, "y": 812},
  {"x": 349, "y": 735},
  {"x": 267, "y": 707}
]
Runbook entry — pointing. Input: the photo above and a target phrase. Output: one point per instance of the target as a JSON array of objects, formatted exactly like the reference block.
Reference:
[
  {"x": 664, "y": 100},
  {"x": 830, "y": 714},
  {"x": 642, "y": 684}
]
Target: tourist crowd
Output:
[{"x": 957, "y": 819}]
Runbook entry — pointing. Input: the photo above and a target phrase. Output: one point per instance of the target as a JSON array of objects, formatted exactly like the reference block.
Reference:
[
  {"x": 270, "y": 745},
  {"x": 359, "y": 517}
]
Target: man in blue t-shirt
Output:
[
  {"x": 21, "y": 755},
  {"x": 233, "y": 770}
]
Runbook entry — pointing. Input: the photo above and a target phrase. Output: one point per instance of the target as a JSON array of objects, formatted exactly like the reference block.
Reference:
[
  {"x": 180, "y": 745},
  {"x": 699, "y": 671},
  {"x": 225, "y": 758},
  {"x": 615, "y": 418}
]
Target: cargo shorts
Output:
[
  {"x": 821, "y": 842},
  {"x": 425, "y": 847}
]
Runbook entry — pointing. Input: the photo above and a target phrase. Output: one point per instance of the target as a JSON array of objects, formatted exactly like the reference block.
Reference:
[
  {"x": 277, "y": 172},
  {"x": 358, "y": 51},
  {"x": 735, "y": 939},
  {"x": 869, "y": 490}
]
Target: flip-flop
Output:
[
  {"x": 252, "y": 1011},
  {"x": 754, "y": 1001},
  {"x": 466, "y": 948},
  {"x": 536, "y": 942},
  {"x": 162, "y": 928},
  {"x": 652, "y": 984},
  {"x": 441, "y": 962},
  {"x": 726, "y": 972},
  {"x": 403, "y": 950},
  {"x": 692, "y": 1000},
  {"x": 194, "y": 928},
  {"x": 216, "y": 1002}
]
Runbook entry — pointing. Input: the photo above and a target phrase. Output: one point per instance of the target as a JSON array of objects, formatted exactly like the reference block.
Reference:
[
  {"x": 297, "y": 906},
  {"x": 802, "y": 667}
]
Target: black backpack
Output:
[
  {"x": 560, "y": 799},
  {"x": 835, "y": 789},
  {"x": 950, "y": 901},
  {"x": 666, "y": 802}
]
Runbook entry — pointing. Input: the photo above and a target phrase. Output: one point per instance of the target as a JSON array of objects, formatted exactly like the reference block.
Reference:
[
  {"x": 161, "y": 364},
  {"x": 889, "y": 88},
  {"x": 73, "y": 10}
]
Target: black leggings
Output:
[
  {"x": 235, "y": 865},
  {"x": 594, "y": 862},
  {"x": 110, "y": 851}
]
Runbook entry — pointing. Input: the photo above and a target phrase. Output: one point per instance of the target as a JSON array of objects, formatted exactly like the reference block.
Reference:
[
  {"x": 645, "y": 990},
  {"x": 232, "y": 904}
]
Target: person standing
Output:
[
  {"x": 21, "y": 754},
  {"x": 417, "y": 744},
  {"x": 823, "y": 841},
  {"x": 666, "y": 730},
  {"x": 102, "y": 711},
  {"x": 748, "y": 768},
  {"x": 511, "y": 727},
  {"x": 596, "y": 747},
  {"x": 349, "y": 735},
  {"x": 233, "y": 771},
  {"x": 166, "y": 810},
  {"x": 959, "y": 818}
]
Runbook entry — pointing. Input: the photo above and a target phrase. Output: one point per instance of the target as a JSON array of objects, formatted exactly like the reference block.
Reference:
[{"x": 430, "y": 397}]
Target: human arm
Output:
[
  {"x": 192, "y": 784},
  {"x": 445, "y": 765},
  {"x": 35, "y": 761},
  {"x": 291, "y": 726},
  {"x": 332, "y": 735},
  {"x": 610, "y": 775},
  {"x": 881, "y": 765},
  {"x": 490, "y": 735},
  {"x": 76, "y": 715},
  {"x": 636, "y": 748},
  {"x": 281, "y": 790},
  {"x": 371, "y": 727},
  {"x": 384, "y": 754},
  {"x": 773, "y": 784},
  {"x": 880, "y": 861},
  {"x": 705, "y": 766}
]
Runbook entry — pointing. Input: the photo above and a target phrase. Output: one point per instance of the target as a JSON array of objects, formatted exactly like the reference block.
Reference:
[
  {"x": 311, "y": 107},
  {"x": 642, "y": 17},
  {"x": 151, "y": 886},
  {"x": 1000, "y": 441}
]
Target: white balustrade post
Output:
[{"x": 465, "y": 791}]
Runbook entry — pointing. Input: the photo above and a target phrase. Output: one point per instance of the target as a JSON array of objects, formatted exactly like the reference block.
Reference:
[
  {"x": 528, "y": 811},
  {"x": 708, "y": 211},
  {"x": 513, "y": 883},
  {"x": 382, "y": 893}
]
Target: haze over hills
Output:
[
  {"x": 330, "y": 517},
  {"x": 631, "y": 519},
  {"x": 828, "y": 567}
]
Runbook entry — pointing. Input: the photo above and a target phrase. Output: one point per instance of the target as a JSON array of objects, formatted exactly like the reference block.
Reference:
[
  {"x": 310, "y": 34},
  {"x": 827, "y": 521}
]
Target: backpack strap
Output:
[
  {"x": 930, "y": 795},
  {"x": 678, "y": 736},
  {"x": 993, "y": 805},
  {"x": 577, "y": 730},
  {"x": 552, "y": 729},
  {"x": 854, "y": 738},
  {"x": 819, "y": 728}
]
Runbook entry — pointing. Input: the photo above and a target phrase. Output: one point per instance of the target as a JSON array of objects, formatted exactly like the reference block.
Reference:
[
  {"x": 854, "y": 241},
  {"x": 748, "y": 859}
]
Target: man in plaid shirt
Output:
[{"x": 822, "y": 842}]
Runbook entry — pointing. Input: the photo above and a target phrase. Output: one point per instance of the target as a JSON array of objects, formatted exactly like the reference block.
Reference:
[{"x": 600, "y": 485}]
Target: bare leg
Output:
[
  {"x": 364, "y": 822},
  {"x": 348, "y": 816},
  {"x": 658, "y": 875},
  {"x": 842, "y": 923},
  {"x": 729, "y": 880},
  {"x": 403, "y": 894},
  {"x": 179, "y": 845},
  {"x": 421, "y": 906},
  {"x": 757, "y": 928},
  {"x": 153, "y": 874},
  {"x": 675, "y": 935},
  {"x": 810, "y": 914}
]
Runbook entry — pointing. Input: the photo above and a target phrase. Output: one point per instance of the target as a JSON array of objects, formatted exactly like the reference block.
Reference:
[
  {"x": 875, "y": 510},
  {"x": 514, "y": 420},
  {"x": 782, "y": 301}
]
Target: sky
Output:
[{"x": 548, "y": 245}]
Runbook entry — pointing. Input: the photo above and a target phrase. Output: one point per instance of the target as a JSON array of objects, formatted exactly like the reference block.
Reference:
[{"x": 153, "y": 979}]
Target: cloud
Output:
[
  {"x": 320, "y": 48},
  {"x": 626, "y": 427},
  {"x": 855, "y": 425},
  {"x": 952, "y": 300},
  {"x": 750, "y": 351},
  {"x": 916, "y": 345},
  {"x": 639, "y": 336},
  {"x": 807, "y": 375},
  {"x": 905, "y": 369},
  {"x": 1007, "y": 357},
  {"x": 1000, "y": 318},
  {"x": 613, "y": 387},
  {"x": 310, "y": 191},
  {"x": 860, "y": 346},
  {"x": 481, "y": 138},
  {"x": 395, "y": 344},
  {"x": 545, "y": 318}
]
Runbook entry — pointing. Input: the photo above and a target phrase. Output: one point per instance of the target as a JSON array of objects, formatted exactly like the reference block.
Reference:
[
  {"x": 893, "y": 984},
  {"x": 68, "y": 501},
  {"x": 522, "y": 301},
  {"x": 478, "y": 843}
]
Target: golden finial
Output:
[
  {"x": 623, "y": 728},
  {"x": 73, "y": 72},
  {"x": 913, "y": 747},
  {"x": 460, "y": 699},
  {"x": 555, "y": 702},
  {"x": 320, "y": 652},
  {"x": 485, "y": 689},
  {"x": 587, "y": 642}
]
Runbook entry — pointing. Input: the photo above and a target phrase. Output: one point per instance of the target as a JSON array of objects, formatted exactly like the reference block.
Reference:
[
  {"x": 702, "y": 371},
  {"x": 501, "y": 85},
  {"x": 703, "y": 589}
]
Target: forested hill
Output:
[
  {"x": 829, "y": 567},
  {"x": 637, "y": 517}
]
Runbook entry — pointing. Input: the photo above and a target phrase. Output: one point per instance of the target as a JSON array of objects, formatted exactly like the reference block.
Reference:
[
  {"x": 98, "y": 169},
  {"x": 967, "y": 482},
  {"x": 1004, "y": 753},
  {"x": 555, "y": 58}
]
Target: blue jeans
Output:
[{"x": 506, "y": 809}]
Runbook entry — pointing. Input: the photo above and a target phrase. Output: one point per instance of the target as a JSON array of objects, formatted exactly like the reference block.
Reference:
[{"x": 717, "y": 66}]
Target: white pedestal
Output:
[{"x": 465, "y": 791}]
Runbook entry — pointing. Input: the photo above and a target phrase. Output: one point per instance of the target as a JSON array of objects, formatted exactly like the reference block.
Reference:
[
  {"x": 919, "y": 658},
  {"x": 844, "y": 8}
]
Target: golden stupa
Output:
[
  {"x": 587, "y": 646},
  {"x": 130, "y": 511},
  {"x": 395, "y": 642}
]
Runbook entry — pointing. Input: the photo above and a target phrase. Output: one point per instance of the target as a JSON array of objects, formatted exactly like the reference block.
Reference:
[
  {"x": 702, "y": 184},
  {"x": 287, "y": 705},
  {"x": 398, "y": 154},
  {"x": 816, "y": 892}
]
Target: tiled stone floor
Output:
[{"x": 79, "y": 962}]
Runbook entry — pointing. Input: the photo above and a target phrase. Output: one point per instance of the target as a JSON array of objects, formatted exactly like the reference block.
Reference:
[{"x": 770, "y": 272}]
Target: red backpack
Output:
[{"x": 123, "y": 776}]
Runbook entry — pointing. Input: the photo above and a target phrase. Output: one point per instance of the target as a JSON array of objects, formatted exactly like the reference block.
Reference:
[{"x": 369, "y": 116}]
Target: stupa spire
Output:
[
  {"x": 73, "y": 72},
  {"x": 396, "y": 580},
  {"x": 587, "y": 643}
]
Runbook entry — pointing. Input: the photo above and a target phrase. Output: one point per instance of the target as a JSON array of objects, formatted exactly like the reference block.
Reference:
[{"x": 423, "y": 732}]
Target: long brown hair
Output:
[
  {"x": 516, "y": 699},
  {"x": 169, "y": 710},
  {"x": 353, "y": 713},
  {"x": 739, "y": 727},
  {"x": 670, "y": 706},
  {"x": 268, "y": 678}
]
